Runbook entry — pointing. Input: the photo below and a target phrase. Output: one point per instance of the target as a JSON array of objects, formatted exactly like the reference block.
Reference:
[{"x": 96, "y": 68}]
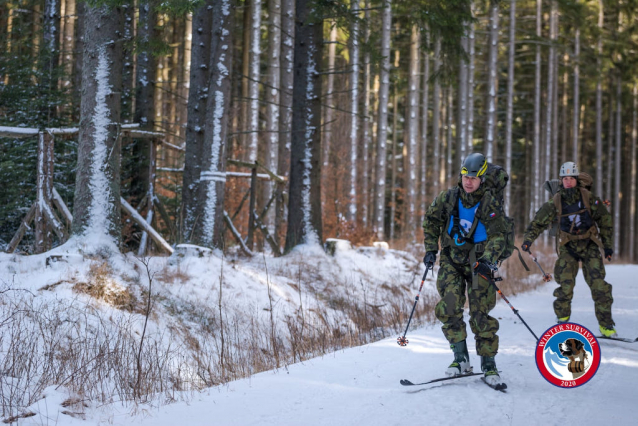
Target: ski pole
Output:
[
  {"x": 493, "y": 281},
  {"x": 546, "y": 277},
  {"x": 401, "y": 340}
]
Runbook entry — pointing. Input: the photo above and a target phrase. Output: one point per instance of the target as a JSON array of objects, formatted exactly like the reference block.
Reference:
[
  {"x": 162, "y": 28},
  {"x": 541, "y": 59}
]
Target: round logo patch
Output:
[{"x": 568, "y": 355}]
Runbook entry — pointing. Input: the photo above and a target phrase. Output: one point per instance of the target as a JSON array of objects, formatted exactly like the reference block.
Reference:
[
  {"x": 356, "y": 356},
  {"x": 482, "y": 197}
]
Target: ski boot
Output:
[
  {"x": 490, "y": 373},
  {"x": 461, "y": 364},
  {"x": 562, "y": 320},
  {"x": 608, "y": 332}
]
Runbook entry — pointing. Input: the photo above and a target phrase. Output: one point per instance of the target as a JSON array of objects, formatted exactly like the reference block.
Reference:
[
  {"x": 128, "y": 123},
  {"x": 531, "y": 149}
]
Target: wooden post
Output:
[
  {"x": 44, "y": 192},
  {"x": 251, "y": 208},
  {"x": 24, "y": 225}
]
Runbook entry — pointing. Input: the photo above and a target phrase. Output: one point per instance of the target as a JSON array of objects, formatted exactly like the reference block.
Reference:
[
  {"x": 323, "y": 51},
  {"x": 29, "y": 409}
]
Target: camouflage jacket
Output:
[
  {"x": 490, "y": 213},
  {"x": 546, "y": 215}
]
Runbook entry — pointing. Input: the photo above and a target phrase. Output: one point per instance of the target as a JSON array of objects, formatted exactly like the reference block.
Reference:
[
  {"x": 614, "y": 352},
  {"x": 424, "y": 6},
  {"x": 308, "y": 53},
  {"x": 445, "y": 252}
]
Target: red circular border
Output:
[{"x": 540, "y": 364}]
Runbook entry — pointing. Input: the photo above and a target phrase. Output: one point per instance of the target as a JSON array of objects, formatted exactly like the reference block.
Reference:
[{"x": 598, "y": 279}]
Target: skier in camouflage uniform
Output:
[
  {"x": 471, "y": 246},
  {"x": 585, "y": 227}
]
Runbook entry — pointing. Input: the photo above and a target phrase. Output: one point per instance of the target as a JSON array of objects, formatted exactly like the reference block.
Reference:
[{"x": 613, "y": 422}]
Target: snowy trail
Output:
[{"x": 361, "y": 385}]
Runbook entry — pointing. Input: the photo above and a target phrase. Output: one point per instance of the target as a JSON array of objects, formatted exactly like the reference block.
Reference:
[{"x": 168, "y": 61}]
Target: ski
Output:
[
  {"x": 618, "y": 339},
  {"x": 500, "y": 387},
  {"x": 405, "y": 382}
]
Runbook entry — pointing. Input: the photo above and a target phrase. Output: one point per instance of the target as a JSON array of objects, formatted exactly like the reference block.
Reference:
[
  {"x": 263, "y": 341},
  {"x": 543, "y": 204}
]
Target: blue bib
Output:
[{"x": 466, "y": 217}]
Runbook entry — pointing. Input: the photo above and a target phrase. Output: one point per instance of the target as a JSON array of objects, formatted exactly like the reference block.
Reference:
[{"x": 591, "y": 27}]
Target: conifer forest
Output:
[{"x": 259, "y": 125}]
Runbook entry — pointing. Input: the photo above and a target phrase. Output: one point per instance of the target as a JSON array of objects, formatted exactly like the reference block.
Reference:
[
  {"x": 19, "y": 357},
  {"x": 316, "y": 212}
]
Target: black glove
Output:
[
  {"x": 485, "y": 269},
  {"x": 526, "y": 245},
  {"x": 608, "y": 254},
  {"x": 429, "y": 259}
]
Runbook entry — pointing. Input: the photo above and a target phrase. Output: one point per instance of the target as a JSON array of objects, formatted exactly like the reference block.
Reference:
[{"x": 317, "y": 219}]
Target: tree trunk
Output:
[
  {"x": 550, "y": 89},
  {"x": 285, "y": 112},
  {"x": 470, "y": 87},
  {"x": 272, "y": 102},
  {"x": 69, "y": 42},
  {"x": 330, "y": 84},
  {"x": 304, "y": 206},
  {"x": 366, "y": 136},
  {"x": 599, "y": 104},
  {"x": 210, "y": 207},
  {"x": 78, "y": 58},
  {"x": 382, "y": 121},
  {"x": 610, "y": 149},
  {"x": 632, "y": 184},
  {"x": 96, "y": 213},
  {"x": 537, "y": 115},
  {"x": 146, "y": 66},
  {"x": 354, "y": 111},
  {"x": 449, "y": 141},
  {"x": 393, "y": 157},
  {"x": 436, "y": 119},
  {"x": 50, "y": 55},
  {"x": 412, "y": 137},
  {"x": 575, "y": 119},
  {"x": 618, "y": 166},
  {"x": 492, "y": 82},
  {"x": 461, "y": 122},
  {"x": 564, "y": 111},
  {"x": 510, "y": 102},
  {"x": 128, "y": 77},
  {"x": 197, "y": 98},
  {"x": 253, "y": 84},
  {"x": 424, "y": 125}
]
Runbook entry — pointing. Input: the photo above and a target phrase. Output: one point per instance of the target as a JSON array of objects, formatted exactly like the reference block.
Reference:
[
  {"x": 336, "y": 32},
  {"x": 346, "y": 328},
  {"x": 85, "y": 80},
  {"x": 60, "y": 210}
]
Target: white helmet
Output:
[{"x": 569, "y": 169}]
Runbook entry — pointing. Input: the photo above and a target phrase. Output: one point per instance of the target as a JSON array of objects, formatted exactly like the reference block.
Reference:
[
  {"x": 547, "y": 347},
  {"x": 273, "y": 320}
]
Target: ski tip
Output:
[{"x": 405, "y": 382}]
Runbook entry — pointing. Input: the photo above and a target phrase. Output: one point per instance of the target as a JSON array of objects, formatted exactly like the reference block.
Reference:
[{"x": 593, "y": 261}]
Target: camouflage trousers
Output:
[
  {"x": 451, "y": 283},
  {"x": 565, "y": 272}
]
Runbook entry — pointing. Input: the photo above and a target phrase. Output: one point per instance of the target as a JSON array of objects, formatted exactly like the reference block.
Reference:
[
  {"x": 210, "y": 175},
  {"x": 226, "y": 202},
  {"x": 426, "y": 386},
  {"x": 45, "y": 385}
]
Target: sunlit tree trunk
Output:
[
  {"x": 618, "y": 166},
  {"x": 354, "y": 110},
  {"x": 412, "y": 127},
  {"x": 510, "y": 101},
  {"x": 492, "y": 82},
  {"x": 382, "y": 121},
  {"x": 436, "y": 120},
  {"x": 272, "y": 93},
  {"x": 575, "y": 118},
  {"x": 285, "y": 99},
  {"x": 328, "y": 115},
  {"x": 424, "y": 124},
  {"x": 461, "y": 122},
  {"x": 599, "y": 103},
  {"x": 537, "y": 115},
  {"x": 470, "y": 86},
  {"x": 253, "y": 84},
  {"x": 366, "y": 135}
]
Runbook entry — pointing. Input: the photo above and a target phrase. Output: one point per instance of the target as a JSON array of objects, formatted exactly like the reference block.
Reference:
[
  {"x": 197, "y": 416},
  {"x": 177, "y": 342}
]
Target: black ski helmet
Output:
[{"x": 475, "y": 165}]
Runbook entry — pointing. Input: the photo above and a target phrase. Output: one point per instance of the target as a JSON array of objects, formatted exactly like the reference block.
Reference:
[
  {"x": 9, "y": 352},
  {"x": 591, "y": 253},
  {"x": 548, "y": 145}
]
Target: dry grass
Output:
[{"x": 102, "y": 286}]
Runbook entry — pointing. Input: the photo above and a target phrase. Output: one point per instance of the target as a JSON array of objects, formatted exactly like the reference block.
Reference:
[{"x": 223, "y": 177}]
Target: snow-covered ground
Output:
[{"x": 361, "y": 385}]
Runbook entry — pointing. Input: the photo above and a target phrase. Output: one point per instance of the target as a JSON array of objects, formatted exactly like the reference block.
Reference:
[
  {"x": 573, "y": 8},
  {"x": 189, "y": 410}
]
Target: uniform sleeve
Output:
[
  {"x": 542, "y": 220},
  {"x": 604, "y": 221},
  {"x": 435, "y": 220},
  {"x": 492, "y": 217}
]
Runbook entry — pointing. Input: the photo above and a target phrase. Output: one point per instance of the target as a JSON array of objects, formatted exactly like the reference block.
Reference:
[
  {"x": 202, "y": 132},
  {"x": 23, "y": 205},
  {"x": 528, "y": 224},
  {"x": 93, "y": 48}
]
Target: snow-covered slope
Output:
[
  {"x": 361, "y": 385},
  {"x": 358, "y": 385}
]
